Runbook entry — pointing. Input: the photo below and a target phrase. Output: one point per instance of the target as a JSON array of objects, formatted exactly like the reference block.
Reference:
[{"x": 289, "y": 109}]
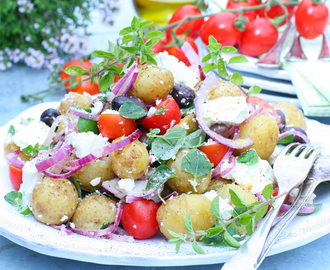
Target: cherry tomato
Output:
[
  {"x": 139, "y": 219},
  {"x": 114, "y": 125},
  {"x": 222, "y": 27},
  {"x": 83, "y": 86},
  {"x": 250, "y": 15},
  {"x": 15, "y": 176},
  {"x": 268, "y": 109},
  {"x": 214, "y": 152},
  {"x": 178, "y": 53},
  {"x": 158, "y": 47},
  {"x": 194, "y": 25},
  {"x": 250, "y": 2},
  {"x": 276, "y": 11},
  {"x": 311, "y": 20},
  {"x": 170, "y": 115},
  {"x": 259, "y": 37}
]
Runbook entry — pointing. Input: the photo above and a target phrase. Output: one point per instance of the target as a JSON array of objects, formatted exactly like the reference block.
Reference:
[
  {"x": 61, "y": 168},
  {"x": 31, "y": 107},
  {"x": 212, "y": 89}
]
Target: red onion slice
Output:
[
  {"x": 118, "y": 216},
  {"x": 61, "y": 175},
  {"x": 191, "y": 55},
  {"x": 306, "y": 209},
  {"x": 295, "y": 133},
  {"x": 14, "y": 154},
  {"x": 126, "y": 82},
  {"x": 232, "y": 164},
  {"x": 18, "y": 162},
  {"x": 207, "y": 85},
  {"x": 201, "y": 72},
  {"x": 83, "y": 114}
]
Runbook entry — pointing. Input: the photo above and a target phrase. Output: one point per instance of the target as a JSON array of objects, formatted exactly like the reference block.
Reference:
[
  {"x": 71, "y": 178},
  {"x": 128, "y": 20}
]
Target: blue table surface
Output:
[{"x": 21, "y": 79}]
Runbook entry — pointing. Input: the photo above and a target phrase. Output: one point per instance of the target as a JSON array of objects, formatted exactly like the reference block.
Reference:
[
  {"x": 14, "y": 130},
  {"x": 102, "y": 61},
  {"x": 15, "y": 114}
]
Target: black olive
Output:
[
  {"x": 120, "y": 100},
  {"x": 48, "y": 116},
  {"x": 221, "y": 129},
  {"x": 281, "y": 125},
  {"x": 183, "y": 95},
  {"x": 296, "y": 138}
]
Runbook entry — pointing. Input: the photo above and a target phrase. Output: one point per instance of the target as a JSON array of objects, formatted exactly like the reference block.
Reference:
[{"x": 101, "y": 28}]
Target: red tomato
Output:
[
  {"x": 276, "y": 11},
  {"x": 178, "y": 53},
  {"x": 259, "y": 37},
  {"x": 268, "y": 109},
  {"x": 222, "y": 27},
  {"x": 166, "y": 120},
  {"x": 15, "y": 176},
  {"x": 250, "y": 2},
  {"x": 84, "y": 86},
  {"x": 139, "y": 219},
  {"x": 311, "y": 20},
  {"x": 194, "y": 25},
  {"x": 157, "y": 48},
  {"x": 250, "y": 15},
  {"x": 114, "y": 126},
  {"x": 214, "y": 152}
]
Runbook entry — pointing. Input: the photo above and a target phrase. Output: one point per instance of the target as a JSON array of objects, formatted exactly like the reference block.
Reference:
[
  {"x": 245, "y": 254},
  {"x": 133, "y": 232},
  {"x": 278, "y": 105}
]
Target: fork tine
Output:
[
  {"x": 315, "y": 153},
  {"x": 298, "y": 150},
  {"x": 286, "y": 150},
  {"x": 305, "y": 151}
]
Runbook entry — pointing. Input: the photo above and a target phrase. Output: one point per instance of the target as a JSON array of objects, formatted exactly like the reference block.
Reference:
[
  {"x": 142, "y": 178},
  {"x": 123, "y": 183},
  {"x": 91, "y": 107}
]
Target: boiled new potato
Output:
[
  {"x": 182, "y": 182},
  {"x": 93, "y": 174},
  {"x": 225, "y": 89},
  {"x": 244, "y": 193},
  {"x": 170, "y": 216},
  {"x": 217, "y": 183},
  {"x": 93, "y": 211},
  {"x": 263, "y": 130},
  {"x": 293, "y": 116},
  {"x": 71, "y": 99},
  {"x": 10, "y": 147},
  {"x": 54, "y": 201},
  {"x": 189, "y": 123},
  {"x": 132, "y": 161},
  {"x": 152, "y": 83}
]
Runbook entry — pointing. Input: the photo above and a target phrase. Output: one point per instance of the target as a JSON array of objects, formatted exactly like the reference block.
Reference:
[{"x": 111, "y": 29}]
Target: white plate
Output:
[{"x": 26, "y": 231}]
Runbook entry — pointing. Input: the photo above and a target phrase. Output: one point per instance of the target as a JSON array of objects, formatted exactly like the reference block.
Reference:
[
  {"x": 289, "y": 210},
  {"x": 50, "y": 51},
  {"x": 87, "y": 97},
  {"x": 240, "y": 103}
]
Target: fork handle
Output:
[
  {"x": 306, "y": 190},
  {"x": 249, "y": 252}
]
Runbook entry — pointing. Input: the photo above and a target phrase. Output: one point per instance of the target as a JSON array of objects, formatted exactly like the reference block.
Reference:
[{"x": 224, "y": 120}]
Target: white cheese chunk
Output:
[
  {"x": 126, "y": 184},
  {"x": 95, "y": 181},
  {"x": 274, "y": 155},
  {"x": 253, "y": 177},
  {"x": 86, "y": 142},
  {"x": 225, "y": 208},
  {"x": 226, "y": 110}
]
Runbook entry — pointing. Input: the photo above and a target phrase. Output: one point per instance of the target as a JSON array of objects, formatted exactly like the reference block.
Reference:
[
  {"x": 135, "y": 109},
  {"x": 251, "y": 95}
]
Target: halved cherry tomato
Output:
[
  {"x": 83, "y": 86},
  {"x": 276, "y": 11},
  {"x": 15, "y": 176},
  {"x": 194, "y": 25},
  {"x": 268, "y": 109},
  {"x": 170, "y": 116},
  {"x": 214, "y": 152},
  {"x": 139, "y": 219},
  {"x": 114, "y": 125}
]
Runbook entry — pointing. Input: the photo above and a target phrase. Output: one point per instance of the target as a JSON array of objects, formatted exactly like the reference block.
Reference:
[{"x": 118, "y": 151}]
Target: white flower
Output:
[
  {"x": 28, "y": 38},
  {"x": 36, "y": 25}
]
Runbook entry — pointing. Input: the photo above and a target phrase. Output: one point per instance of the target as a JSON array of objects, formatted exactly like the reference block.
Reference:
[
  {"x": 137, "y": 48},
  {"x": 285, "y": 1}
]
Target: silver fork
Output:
[{"x": 291, "y": 168}]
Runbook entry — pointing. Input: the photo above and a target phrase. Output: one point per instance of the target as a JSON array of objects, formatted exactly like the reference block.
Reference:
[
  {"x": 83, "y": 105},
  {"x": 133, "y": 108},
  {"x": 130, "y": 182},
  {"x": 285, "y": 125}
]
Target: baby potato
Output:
[
  {"x": 170, "y": 216},
  {"x": 132, "y": 161},
  {"x": 225, "y": 89},
  {"x": 10, "y": 147},
  {"x": 152, "y": 83},
  {"x": 217, "y": 183},
  {"x": 264, "y": 131},
  {"x": 293, "y": 116},
  {"x": 97, "y": 169},
  {"x": 54, "y": 201},
  {"x": 189, "y": 123},
  {"x": 93, "y": 211},
  {"x": 73, "y": 98},
  {"x": 182, "y": 182},
  {"x": 244, "y": 193}
]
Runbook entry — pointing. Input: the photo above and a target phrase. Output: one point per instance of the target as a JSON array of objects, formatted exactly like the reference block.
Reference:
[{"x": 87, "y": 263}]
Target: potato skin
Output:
[
  {"x": 293, "y": 116},
  {"x": 188, "y": 123},
  {"x": 92, "y": 170},
  {"x": 181, "y": 182},
  {"x": 264, "y": 131},
  {"x": 10, "y": 147},
  {"x": 93, "y": 211},
  {"x": 152, "y": 83},
  {"x": 54, "y": 201},
  {"x": 225, "y": 89},
  {"x": 170, "y": 216},
  {"x": 132, "y": 161},
  {"x": 73, "y": 98}
]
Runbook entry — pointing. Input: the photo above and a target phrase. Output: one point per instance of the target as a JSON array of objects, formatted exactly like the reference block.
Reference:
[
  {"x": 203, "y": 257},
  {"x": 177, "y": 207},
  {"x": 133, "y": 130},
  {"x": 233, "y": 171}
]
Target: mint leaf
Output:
[
  {"x": 105, "y": 81},
  {"x": 253, "y": 90},
  {"x": 30, "y": 150},
  {"x": 215, "y": 210},
  {"x": 261, "y": 211},
  {"x": 85, "y": 125},
  {"x": 196, "y": 163},
  {"x": 103, "y": 54},
  {"x": 194, "y": 139},
  {"x": 131, "y": 110},
  {"x": 76, "y": 71},
  {"x": 159, "y": 177},
  {"x": 249, "y": 158},
  {"x": 229, "y": 49},
  {"x": 11, "y": 130},
  {"x": 236, "y": 78},
  {"x": 188, "y": 225},
  {"x": 161, "y": 111},
  {"x": 286, "y": 140},
  {"x": 15, "y": 198},
  {"x": 197, "y": 248},
  {"x": 267, "y": 191},
  {"x": 237, "y": 200},
  {"x": 237, "y": 59},
  {"x": 230, "y": 241},
  {"x": 214, "y": 231}
]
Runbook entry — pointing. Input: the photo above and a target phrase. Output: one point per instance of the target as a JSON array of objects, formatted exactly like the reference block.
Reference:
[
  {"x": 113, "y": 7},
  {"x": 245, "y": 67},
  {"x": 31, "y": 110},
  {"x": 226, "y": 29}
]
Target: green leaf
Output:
[
  {"x": 255, "y": 89},
  {"x": 151, "y": 59},
  {"x": 212, "y": 40},
  {"x": 261, "y": 211},
  {"x": 197, "y": 248},
  {"x": 104, "y": 225},
  {"x": 188, "y": 225},
  {"x": 131, "y": 110},
  {"x": 206, "y": 58},
  {"x": 127, "y": 38},
  {"x": 130, "y": 49},
  {"x": 209, "y": 67},
  {"x": 194, "y": 139},
  {"x": 159, "y": 177},
  {"x": 161, "y": 111},
  {"x": 146, "y": 24},
  {"x": 286, "y": 140},
  {"x": 105, "y": 81},
  {"x": 250, "y": 227},
  {"x": 85, "y": 125},
  {"x": 15, "y": 198},
  {"x": 267, "y": 191},
  {"x": 76, "y": 184},
  {"x": 11, "y": 130},
  {"x": 155, "y": 35},
  {"x": 177, "y": 247},
  {"x": 244, "y": 219},
  {"x": 214, "y": 231},
  {"x": 221, "y": 68},
  {"x": 103, "y": 54},
  {"x": 30, "y": 150},
  {"x": 249, "y": 158},
  {"x": 236, "y": 199},
  {"x": 126, "y": 31},
  {"x": 230, "y": 241},
  {"x": 174, "y": 234},
  {"x": 196, "y": 163},
  {"x": 237, "y": 59},
  {"x": 76, "y": 71},
  {"x": 237, "y": 78},
  {"x": 228, "y": 49},
  {"x": 215, "y": 210},
  {"x": 135, "y": 24},
  {"x": 214, "y": 47}
]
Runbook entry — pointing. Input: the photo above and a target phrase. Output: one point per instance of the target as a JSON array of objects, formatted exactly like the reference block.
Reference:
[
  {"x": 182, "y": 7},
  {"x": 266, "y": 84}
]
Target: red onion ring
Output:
[
  {"x": 14, "y": 154},
  {"x": 126, "y": 82},
  {"x": 83, "y": 114},
  {"x": 295, "y": 133},
  {"x": 17, "y": 162},
  {"x": 191, "y": 55},
  {"x": 61, "y": 175}
]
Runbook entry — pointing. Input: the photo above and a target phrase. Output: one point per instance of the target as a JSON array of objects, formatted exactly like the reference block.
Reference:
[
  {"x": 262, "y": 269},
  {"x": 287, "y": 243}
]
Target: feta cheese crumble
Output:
[
  {"x": 126, "y": 184},
  {"x": 225, "y": 208}
]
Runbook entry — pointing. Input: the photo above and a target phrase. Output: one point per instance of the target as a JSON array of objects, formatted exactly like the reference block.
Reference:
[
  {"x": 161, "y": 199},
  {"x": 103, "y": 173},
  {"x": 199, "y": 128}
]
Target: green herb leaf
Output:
[
  {"x": 221, "y": 68},
  {"x": 286, "y": 140},
  {"x": 188, "y": 225},
  {"x": 215, "y": 210},
  {"x": 209, "y": 67},
  {"x": 229, "y": 49},
  {"x": 161, "y": 111},
  {"x": 127, "y": 38},
  {"x": 126, "y": 31},
  {"x": 104, "y": 225},
  {"x": 11, "y": 130},
  {"x": 250, "y": 227},
  {"x": 131, "y": 110},
  {"x": 267, "y": 191},
  {"x": 196, "y": 163},
  {"x": 85, "y": 125},
  {"x": 76, "y": 184},
  {"x": 230, "y": 241},
  {"x": 237, "y": 59},
  {"x": 103, "y": 54},
  {"x": 159, "y": 177},
  {"x": 76, "y": 71},
  {"x": 253, "y": 90},
  {"x": 146, "y": 24},
  {"x": 15, "y": 198},
  {"x": 214, "y": 47},
  {"x": 249, "y": 158},
  {"x": 206, "y": 58},
  {"x": 236, "y": 78},
  {"x": 194, "y": 139},
  {"x": 155, "y": 35},
  {"x": 214, "y": 231},
  {"x": 261, "y": 211},
  {"x": 236, "y": 199},
  {"x": 105, "y": 81},
  {"x": 177, "y": 247},
  {"x": 197, "y": 248},
  {"x": 212, "y": 40},
  {"x": 130, "y": 49}
]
